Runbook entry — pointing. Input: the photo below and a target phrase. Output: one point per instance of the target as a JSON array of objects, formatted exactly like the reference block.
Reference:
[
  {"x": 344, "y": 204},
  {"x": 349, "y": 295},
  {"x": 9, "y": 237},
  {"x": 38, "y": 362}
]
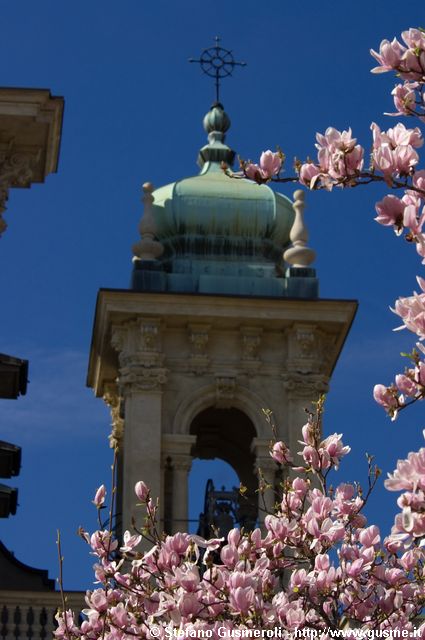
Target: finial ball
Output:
[
  {"x": 147, "y": 187},
  {"x": 299, "y": 195}
]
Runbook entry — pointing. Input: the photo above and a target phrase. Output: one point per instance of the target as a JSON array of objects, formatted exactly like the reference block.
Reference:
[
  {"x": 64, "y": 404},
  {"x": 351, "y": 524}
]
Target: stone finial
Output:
[
  {"x": 299, "y": 255},
  {"x": 216, "y": 123},
  {"x": 147, "y": 248},
  {"x": 216, "y": 120}
]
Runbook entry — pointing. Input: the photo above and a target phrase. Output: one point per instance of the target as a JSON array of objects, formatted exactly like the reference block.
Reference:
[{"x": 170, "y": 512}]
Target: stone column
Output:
[
  {"x": 140, "y": 381},
  {"x": 304, "y": 381},
  {"x": 177, "y": 449},
  {"x": 142, "y": 449}
]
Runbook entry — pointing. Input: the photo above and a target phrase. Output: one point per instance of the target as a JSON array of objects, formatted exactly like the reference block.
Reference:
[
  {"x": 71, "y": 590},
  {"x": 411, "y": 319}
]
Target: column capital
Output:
[
  {"x": 177, "y": 443},
  {"x": 136, "y": 378},
  {"x": 181, "y": 462}
]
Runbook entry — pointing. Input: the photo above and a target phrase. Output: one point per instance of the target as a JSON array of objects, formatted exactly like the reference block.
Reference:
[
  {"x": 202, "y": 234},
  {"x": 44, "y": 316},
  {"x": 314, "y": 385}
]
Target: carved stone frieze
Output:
[
  {"x": 118, "y": 334},
  {"x": 149, "y": 342},
  {"x": 150, "y": 334},
  {"x": 304, "y": 348},
  {"x": 250, "y": 343},
  {"x": 328, "y": 350},
  {"x": 308, "y": 387},
  {"x": 225, "y": 387},
  {"x": 113, "y": 400},
  {"x": 306, "y": 341},
  {"x": 198, "y": 338}
]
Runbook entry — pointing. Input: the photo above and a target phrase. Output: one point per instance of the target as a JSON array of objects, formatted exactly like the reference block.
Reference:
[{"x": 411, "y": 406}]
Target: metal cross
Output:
[{"x": 217, "y": 63}]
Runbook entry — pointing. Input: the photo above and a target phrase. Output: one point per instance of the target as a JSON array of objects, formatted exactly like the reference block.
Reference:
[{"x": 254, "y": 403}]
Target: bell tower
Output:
[{"x": 222, "y": 320}]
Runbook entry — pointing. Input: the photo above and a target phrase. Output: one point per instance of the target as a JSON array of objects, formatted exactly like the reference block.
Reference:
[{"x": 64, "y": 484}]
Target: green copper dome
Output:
[
  {"x": 213, "y": 215},
  {"x": 228, "y": 218},
  {"x": 219, "y": 234}
]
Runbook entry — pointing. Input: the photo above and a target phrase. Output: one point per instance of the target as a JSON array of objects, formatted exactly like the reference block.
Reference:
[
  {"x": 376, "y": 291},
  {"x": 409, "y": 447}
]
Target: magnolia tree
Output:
[{"x": 318, "y": 567}]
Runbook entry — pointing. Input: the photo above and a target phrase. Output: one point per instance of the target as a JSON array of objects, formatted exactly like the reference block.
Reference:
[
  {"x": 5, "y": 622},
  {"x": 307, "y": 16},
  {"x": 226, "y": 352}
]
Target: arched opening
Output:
[
  {"x": 227, "y": 435},
  {"x": 222, "y": 476}
]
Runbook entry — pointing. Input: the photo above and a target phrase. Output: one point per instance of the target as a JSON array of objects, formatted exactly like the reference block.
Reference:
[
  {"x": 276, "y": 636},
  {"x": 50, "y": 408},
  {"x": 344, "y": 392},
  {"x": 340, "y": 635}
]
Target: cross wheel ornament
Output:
[{"x": 217, "y": 63}]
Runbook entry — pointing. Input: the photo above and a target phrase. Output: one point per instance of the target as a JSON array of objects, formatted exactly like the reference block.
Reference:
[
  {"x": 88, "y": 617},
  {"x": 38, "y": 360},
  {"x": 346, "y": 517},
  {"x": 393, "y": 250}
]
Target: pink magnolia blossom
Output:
[
  {"x": 404, "y": 98},
  {"x": 99, "y": 498},
  {"x": 370, "y": 536},
  {"x": 334, "y": 448},
  {"x": 142, "y": 491},
  {"x": 338, "y": 154},
  {"x": 280, "y": 453},
  {"x": 419, "y": 182},
  {"x": 389, "y": 56},
  {"x": 384, "y": 397},
  {"x": 130, "y": 541},
  {"x": 400, "y": 136},
  {"x": 394, "y": 150},
  {"x": 269, "y": 166},
  {"x": 390, "y": 212},
  {"x": 270, "y": 163},
  {"x": 309, "y": 173},
  {"x": 414, "y": 39},
  {"x": 409, "y": 474},
  {"x": 406, "y": 385},
  {"x": 412, "y": 311}
]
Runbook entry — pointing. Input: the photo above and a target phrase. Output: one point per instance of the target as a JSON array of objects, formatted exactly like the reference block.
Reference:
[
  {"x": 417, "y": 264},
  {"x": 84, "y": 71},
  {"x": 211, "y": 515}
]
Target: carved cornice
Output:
[
  {"x": 30, "y": 133},
  {"x": 15, "y": 171}
]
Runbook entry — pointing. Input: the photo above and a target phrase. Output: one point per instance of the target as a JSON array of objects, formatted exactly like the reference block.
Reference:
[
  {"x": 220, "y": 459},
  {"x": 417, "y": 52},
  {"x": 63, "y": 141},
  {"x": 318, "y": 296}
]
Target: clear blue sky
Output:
[{"x": 134, "y": 108}]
